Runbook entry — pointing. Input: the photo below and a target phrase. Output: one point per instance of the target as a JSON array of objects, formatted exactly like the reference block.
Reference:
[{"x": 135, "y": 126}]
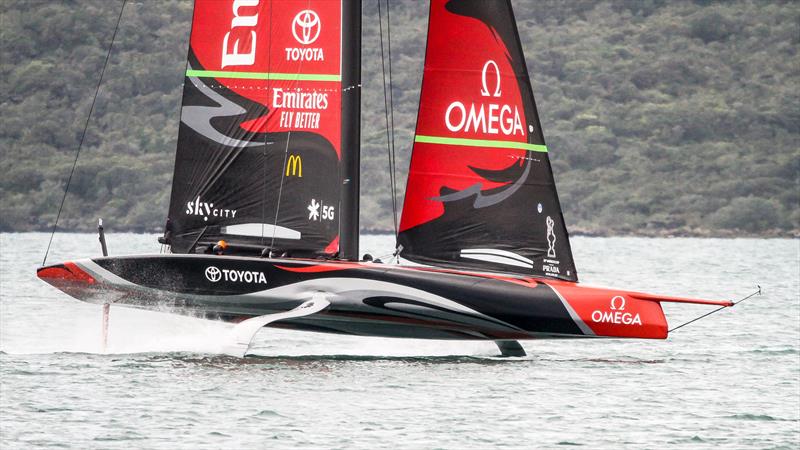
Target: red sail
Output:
[
  {"x": 260, "y": 144},
  {"x": 480, "y": 191}
]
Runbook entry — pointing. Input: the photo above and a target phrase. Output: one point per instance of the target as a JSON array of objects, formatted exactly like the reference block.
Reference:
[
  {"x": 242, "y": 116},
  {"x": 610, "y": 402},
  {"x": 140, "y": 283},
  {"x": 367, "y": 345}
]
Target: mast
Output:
[{"x": 351, "y": 129}]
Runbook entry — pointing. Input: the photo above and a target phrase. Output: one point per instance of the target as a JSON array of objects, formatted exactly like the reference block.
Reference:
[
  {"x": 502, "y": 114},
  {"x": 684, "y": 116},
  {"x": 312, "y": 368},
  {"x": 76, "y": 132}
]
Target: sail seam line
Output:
[
  {"x": 479, "y": 143},
  {"x": 263, "y": 75}
]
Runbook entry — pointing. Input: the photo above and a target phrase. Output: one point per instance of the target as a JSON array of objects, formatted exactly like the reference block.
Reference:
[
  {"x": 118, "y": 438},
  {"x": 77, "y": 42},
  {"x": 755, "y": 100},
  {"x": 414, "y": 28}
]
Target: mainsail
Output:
[
  {"x": 480, "y": 190},
  {"x": 266, "y": 141}
]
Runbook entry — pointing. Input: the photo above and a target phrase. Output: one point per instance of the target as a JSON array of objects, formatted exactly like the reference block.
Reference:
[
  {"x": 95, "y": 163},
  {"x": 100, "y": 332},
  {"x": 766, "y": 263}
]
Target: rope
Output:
[
  {"x": 83, "y": 134},
  {"x": 758, "y": 292},
  {"x": 388, "y": 107},
  {"x": 285, "y": 153},
  {"x": 391, "y": 109},
  {"x": 280, "y": 190},
  {"x": 266, "y": 137}
]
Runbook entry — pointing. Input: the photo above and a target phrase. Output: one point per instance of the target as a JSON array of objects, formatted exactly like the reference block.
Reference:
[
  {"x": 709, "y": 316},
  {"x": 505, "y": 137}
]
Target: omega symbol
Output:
[
  {"x": 618, "y": 303},
  {"x": 485, "y": 89}
]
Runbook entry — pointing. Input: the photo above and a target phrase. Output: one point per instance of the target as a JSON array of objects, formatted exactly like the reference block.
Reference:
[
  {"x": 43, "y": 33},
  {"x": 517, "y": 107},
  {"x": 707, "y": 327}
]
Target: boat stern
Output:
[
  {"x": 614, "y": 313},
  {"x": 606, "y": 312}
]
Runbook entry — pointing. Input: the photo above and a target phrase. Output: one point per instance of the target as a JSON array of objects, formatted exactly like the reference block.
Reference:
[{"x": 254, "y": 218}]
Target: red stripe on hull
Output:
[{"x": 321, "y": 268}]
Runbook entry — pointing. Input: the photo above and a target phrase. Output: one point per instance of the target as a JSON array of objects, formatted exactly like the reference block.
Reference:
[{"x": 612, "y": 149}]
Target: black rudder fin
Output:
[{"x": 510, "y": 348}]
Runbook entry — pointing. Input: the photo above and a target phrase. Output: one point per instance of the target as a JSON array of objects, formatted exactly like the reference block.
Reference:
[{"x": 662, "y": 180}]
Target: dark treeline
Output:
[{"x": 677, "y": 117}]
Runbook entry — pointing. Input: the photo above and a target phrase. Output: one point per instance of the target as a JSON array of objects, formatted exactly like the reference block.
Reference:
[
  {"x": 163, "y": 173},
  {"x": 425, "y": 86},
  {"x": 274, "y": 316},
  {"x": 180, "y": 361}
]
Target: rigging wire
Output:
[
  {"x": 389, "y": 108},
  {"x": 758, "y": 292},
  {"x": 280, "y": 191},
  {"x": 83, "y": 134},
  {"x": 285, "y": 151},
  {"x": 266, "y": 136}
]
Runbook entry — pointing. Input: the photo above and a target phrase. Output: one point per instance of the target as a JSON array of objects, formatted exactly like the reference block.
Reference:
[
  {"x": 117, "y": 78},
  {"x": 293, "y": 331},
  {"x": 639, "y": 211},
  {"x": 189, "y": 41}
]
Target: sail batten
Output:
[
  {"x": 482, "y": 143},
  {"x": 264, "y": 75},
  {"x": 480, "y": 191}
]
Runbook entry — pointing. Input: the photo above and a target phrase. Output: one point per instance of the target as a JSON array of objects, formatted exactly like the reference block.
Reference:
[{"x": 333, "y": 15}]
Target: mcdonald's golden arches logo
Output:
[{"x": 294, "y": 166}]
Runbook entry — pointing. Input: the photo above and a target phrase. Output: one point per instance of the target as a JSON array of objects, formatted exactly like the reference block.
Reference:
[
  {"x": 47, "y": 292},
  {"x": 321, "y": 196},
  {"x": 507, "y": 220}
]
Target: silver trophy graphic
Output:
[{"x": 551, "y": 238}]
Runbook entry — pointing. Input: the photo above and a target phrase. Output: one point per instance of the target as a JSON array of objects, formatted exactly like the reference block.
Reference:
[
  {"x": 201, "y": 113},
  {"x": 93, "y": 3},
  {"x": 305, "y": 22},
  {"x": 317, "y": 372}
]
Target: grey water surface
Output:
[{"x": 731, "y": 380}]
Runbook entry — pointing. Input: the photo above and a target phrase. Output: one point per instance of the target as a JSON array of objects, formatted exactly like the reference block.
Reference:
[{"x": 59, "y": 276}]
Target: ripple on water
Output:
[
  {"x": 756, "y": 417},
  {"x": 268, "y": 413}
]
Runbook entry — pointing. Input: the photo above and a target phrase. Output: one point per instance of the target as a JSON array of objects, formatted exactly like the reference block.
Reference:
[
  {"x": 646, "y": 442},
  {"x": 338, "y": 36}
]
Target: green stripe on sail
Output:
[
  {"x": 480, "y": 143},
  {"x": 263, "y": 75}
]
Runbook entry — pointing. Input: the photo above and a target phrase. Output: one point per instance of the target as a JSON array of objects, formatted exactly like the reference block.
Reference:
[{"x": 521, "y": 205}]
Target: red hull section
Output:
[{"x": 614, "y": 313}]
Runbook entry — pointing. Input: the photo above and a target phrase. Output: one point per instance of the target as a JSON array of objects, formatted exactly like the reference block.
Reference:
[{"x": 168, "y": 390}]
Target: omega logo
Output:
[
  {"x": 487, "y": 118},
  {"x": 617, "y": 314}
]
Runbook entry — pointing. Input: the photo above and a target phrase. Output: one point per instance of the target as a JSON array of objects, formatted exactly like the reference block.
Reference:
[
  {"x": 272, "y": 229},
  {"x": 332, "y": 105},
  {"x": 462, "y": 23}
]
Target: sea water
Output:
[{"x": 731, "y": 380}]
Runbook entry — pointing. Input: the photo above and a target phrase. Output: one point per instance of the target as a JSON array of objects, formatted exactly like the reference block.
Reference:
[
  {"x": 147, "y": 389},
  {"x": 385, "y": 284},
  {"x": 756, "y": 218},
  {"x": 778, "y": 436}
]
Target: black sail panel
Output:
[
  {"x": 480, "y": 192},
  {"x": 260, "y": 141}
]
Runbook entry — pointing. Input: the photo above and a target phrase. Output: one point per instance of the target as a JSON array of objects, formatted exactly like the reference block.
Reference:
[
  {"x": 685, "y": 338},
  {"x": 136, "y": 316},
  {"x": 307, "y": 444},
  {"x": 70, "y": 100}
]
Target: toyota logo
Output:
[
  {"x": 213, "y": 274},
  {"x": 306, "y": 27}
]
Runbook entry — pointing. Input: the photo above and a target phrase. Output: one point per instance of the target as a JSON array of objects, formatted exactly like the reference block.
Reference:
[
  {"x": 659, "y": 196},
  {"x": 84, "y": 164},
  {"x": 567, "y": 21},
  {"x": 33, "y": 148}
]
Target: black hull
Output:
[{"x": 366, "y": 298}]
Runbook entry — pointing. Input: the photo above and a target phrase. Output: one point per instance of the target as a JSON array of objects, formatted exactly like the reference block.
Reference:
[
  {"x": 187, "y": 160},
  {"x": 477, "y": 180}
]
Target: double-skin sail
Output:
[
  {"x": 269, "y": 126},
  {"x": 480, "y": 190}
]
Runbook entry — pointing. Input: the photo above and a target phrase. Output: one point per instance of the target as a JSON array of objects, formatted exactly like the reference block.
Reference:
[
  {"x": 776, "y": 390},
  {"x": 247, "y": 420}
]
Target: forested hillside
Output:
[{"x": 661, "y": 116}]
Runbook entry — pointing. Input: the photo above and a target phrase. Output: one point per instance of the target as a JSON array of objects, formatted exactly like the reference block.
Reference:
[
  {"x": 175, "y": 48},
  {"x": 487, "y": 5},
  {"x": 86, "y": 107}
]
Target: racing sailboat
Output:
[{"x": 263, "y": 218}]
